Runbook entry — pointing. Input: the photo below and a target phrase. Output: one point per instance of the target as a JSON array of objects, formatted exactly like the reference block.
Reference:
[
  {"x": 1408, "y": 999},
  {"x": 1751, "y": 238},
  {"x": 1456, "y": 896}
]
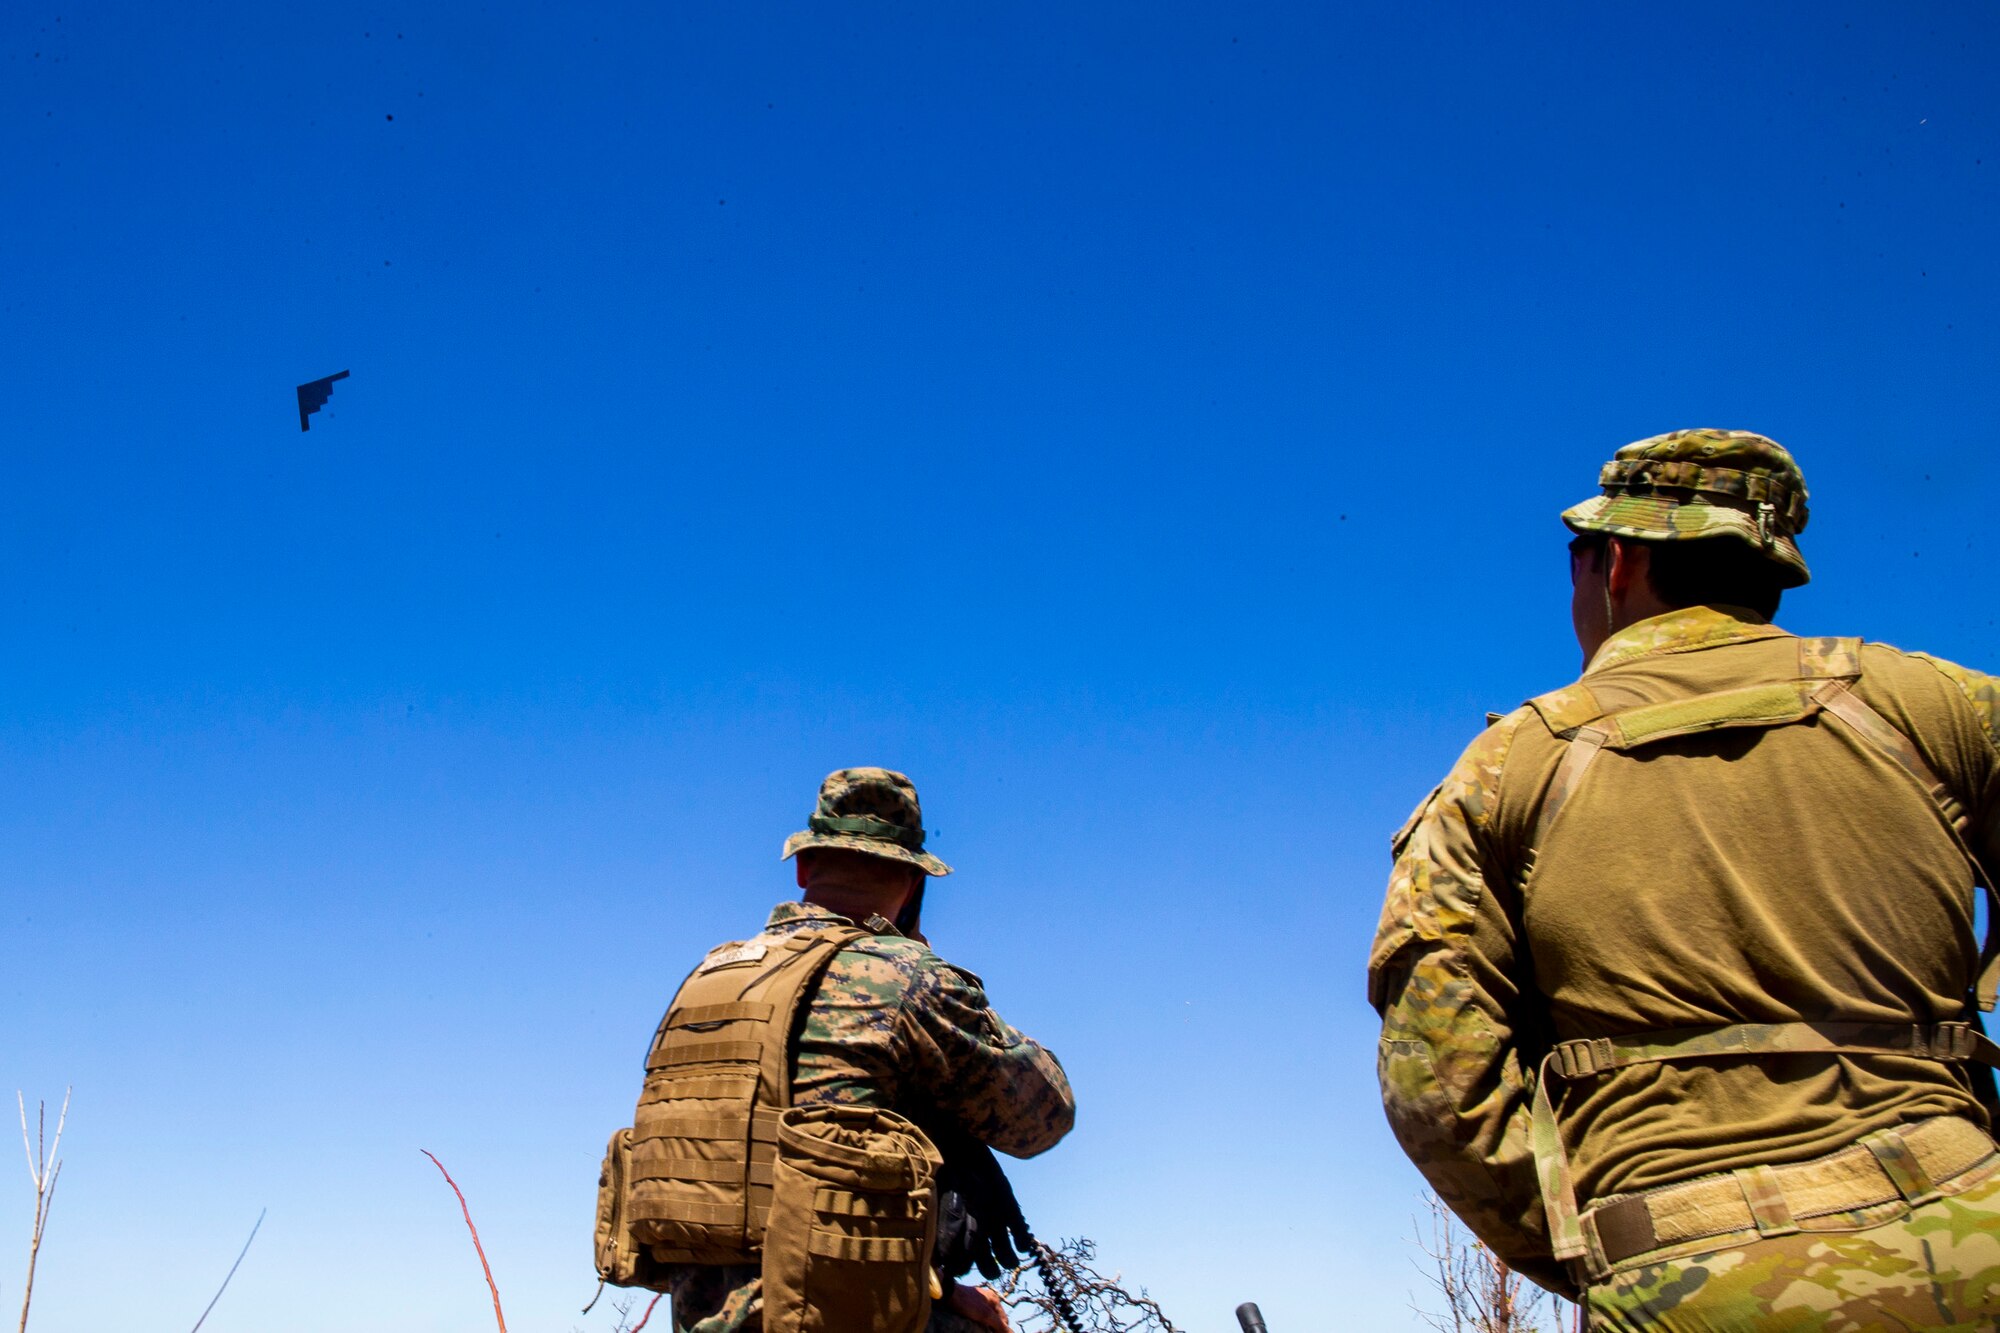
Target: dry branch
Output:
[
  {"x": 40, "y": 1153},
  {"x": 1103, "y": 1304},
  {"x": 484, "y": 1266},
  {"x": 1480, "y": 1293},
  {"x": 649, "y": 1312},
  {"x": 231, "y": 1273}
]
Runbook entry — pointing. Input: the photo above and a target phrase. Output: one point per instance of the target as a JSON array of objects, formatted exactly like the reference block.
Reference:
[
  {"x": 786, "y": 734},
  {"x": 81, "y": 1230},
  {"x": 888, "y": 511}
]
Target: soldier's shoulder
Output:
[
  {"x": 1472, "y": 779},
  {"x": 887, "y": 964},
  {"x": 1501, "y": 727},
  {"x": 1480, "y": 764},
  {"x": 1885, "y": 663},
  {"x": 898, "y": 951},
  {"x": 1882, "y": 663}
]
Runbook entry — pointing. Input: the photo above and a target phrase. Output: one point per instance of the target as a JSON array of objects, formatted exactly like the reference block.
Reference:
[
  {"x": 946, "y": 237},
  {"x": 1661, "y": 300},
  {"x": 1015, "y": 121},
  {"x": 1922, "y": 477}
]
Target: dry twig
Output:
[
  {"x": 1103, "y": 1304},
  {"x": 1481, "y": 1294},
  {"x": 623, "y": 1306},
  {"x": 484, "y": 1266},
  {"x": 649, "y": 1312},
  {"x": 231, "y": 1273},
  {"x": 40, "y": 1153}
]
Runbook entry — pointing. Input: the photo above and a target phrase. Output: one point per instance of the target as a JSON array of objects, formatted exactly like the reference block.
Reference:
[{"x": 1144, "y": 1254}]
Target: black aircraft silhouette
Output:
[{"x": 313, "y": 396}]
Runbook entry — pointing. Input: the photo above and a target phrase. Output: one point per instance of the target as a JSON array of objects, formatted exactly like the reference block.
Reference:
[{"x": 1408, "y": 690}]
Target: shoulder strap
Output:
[
  {"x": 1848, "y": 708},
  {"x": 1827, "y": 671},
  {"x": 815, "y": 957},
  {"x": 1576, "y": 714},
  {"x": 769, "y": 1000}
]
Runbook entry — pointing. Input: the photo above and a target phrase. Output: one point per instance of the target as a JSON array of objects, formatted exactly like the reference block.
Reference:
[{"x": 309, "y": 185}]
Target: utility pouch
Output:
[
  {"x": 620, "y": 1261},
  {"x": 847, "y": 1248}
]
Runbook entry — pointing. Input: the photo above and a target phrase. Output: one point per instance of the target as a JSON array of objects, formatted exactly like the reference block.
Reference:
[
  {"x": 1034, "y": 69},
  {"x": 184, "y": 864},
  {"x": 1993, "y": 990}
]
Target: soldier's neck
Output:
[{"x": 856, "y": 902}]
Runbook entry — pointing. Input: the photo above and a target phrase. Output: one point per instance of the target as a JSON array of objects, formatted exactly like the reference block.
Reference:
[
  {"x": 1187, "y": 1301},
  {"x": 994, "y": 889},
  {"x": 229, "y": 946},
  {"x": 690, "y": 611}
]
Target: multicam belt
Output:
[{"x": 1914, "y": 1163}]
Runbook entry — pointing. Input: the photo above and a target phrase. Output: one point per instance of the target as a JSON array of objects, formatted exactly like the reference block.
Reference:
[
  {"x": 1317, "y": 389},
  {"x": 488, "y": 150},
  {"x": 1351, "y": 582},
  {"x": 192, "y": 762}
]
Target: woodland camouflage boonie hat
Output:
[
  {"x": 871, "y": 810},
  {"x": 1691, "y": 484}
]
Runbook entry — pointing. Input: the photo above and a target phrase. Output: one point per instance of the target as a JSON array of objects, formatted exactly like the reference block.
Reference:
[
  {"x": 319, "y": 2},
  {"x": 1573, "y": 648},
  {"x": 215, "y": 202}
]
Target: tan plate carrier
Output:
[
  {"x": 690, "y": 1181},
  {"x": 1828, "y": 670}
]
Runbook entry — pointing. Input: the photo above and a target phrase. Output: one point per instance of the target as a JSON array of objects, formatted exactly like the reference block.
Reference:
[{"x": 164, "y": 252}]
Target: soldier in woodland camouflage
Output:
[
  {"x": 1677, "y": 971},
  {"x": 891, "y": 1025}
]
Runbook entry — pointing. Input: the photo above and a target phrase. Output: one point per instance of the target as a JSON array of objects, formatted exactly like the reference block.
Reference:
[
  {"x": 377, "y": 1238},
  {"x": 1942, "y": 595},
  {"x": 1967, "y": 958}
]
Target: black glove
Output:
[{"x": 979, "y": 1220}]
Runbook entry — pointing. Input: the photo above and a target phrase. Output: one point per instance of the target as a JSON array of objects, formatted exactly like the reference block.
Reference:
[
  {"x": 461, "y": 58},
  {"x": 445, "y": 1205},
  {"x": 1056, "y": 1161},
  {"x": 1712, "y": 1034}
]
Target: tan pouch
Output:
[
  {"x": 620, "y": 1260},
  {"x": 853, "y": 1219}
]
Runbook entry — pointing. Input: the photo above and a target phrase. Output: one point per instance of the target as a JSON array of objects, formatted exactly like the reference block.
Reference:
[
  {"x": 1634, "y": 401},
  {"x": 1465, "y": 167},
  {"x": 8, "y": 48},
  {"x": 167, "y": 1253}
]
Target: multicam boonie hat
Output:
[
  {"x": 871, "y": 810},
  {"x": 1690, "y": 484}
]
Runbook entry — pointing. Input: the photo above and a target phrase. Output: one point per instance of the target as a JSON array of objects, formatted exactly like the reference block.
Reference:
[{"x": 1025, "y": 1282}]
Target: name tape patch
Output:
[{"x": 735, "y": 953}]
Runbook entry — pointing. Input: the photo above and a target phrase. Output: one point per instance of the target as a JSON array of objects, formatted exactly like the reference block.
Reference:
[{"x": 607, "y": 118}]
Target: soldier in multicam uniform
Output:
[
  {"x": 891, "y": 1025},
  {"x": 1677, "y": 972}
]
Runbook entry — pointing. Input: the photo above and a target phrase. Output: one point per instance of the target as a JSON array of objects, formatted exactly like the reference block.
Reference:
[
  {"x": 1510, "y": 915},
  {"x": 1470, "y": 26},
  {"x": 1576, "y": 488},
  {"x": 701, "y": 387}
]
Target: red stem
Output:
[
  {"x": 649, "y": 1312},
  {"x": 487, "y": 1268}
]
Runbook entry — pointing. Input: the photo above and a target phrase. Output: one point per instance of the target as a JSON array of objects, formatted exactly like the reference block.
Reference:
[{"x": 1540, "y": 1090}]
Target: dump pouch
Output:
[
  {"x": 847, "y": 1245},
  {"x": 620, "y": 1261}
]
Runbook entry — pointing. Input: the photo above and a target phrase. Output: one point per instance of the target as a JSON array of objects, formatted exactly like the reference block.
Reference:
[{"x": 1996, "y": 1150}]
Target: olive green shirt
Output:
[{"x": 1754, "y": 875}]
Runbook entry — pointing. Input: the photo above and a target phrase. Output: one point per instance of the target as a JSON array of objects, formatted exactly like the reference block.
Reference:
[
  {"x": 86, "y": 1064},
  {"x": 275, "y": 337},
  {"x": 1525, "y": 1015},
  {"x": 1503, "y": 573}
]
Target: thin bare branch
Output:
[
  {"x": 484, "y": 1266},
  {"x": 55, "y": 1148},
  {"x": 649, "y": 1312},
  {"x": 1102, "y": 1304},
  {"x": 34, "y": 1171},
  {"x": 230, "y": 1274},
  {"x": 1479, "y": 1292},
  {"x": 45, "y": 1174}
]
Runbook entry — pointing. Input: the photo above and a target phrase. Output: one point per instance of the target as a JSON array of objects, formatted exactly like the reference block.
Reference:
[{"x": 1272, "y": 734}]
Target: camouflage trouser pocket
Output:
[{"x": 853, "y": 1218}]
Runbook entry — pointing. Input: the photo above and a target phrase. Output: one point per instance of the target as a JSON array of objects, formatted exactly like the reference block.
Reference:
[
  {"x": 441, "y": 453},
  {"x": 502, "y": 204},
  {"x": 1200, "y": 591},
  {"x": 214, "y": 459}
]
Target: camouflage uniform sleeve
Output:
[
  {"x": 1001, "y": 1086},
  {"x": 1456, "y": 1079}
]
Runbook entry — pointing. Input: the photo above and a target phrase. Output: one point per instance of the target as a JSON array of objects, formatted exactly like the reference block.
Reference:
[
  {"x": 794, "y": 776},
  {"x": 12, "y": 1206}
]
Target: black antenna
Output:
[{"x": 1251, "y": 1318}]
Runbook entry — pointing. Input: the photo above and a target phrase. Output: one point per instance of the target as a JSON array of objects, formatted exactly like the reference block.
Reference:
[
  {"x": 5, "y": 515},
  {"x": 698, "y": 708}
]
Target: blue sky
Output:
[{"x": 1144, "y": 425}]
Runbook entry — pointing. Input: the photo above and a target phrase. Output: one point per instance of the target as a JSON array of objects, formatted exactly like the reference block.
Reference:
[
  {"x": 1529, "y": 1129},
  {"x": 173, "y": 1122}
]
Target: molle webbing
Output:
[
  {"x": 853, "y": 1223},
  {"x": 718, "y": 1076}
]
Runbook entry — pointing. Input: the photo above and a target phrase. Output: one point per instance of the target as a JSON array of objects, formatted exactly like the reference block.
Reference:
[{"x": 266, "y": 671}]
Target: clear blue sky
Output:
[{"x": 1144, "y": 424}]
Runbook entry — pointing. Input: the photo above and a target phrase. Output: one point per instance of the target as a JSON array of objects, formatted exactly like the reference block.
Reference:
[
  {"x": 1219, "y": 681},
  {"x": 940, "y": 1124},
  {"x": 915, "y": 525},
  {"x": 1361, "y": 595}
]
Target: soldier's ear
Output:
[
  {"x": 799, "y": 867},
  {"x": 1625, "y": 566}
]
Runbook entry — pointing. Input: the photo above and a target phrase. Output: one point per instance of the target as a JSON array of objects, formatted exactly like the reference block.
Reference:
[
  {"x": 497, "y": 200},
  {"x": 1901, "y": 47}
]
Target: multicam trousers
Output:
[{"x": 1935, "y": 1267}]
